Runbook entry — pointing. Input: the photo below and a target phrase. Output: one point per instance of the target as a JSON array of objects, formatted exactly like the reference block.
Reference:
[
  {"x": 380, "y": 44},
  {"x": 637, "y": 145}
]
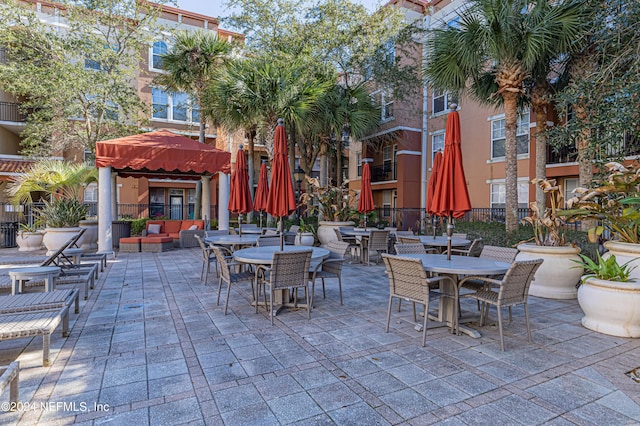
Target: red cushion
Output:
[
  {"x": 186, "y": 224},
  {"x": 156, "y": 240},
  {"x": 172, "y": 226}
]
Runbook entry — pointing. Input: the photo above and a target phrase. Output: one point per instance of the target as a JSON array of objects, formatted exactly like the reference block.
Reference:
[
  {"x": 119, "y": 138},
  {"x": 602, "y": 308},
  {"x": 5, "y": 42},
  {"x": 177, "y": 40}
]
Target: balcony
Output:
[
  {"x": 384, "y": 172},
  {"x": 627, "y": 146},
  {"x": 9, "y": 112},
  {"x": 567, "y": 154}
]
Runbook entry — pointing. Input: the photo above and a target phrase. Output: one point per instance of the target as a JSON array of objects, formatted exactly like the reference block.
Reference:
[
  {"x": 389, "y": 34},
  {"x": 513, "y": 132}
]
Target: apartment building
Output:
[
  {"x": 413, "y": 131},
  {"x": 172, "y": 111}
]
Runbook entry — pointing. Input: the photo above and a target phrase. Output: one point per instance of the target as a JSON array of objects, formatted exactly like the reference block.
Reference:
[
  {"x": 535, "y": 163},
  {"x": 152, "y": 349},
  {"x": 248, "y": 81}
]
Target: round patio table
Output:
[
  {"x": 441, "y": 241},
  {"x": 457, "y": 265},
  {"x": 233, "y": 240}
]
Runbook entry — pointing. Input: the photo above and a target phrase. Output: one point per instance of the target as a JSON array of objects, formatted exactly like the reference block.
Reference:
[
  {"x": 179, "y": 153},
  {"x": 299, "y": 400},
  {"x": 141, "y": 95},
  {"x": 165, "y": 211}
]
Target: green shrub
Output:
[
  {"x": 138, "y": 225},
  {"x": 63, "y": 213}
]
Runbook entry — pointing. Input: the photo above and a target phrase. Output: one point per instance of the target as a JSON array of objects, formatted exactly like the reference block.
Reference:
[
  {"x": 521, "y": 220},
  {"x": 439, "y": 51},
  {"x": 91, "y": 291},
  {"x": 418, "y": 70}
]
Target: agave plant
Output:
[
  {"x": 63, "y": 213},
  {"x": 605, "y": 269},
  {"x": 548, "y": 226}
]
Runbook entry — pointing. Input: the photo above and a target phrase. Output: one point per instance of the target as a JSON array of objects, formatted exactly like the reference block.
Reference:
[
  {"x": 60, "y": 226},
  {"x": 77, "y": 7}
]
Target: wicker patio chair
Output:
[
  {"x": 410, "y": 248},
  {"x": 512, "y": 290},
  {"x": 208, "y": 257},
  {"x": 473, "y": 250},
  {"x": 10, "y": 376},
  {"x": 408, "y": 280},
  {"x": 404, "y": 234},
  {"x": 271, "y": 232},
  {"x": 377, "y": 242},
  {"x": 456, "y": 235},
  {"x": 289, "y": 270},
  {"x": 404, "y": 239},
  {"x": 225, "y": 264},
  {"x": 353, "y": 243},
  {"x": 268, "y": 240},
  {"x": 330, "y": 267}
]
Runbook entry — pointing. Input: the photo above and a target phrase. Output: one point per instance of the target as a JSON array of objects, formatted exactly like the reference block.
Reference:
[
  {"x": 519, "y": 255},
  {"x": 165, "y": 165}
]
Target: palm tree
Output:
[{"x": 496, "y": 47}]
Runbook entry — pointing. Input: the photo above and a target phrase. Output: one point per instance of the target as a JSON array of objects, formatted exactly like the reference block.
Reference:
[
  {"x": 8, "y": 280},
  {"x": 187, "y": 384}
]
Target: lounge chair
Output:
[
  {"x": 29, "y": 302},
  {"x": 10, "y": 376}
]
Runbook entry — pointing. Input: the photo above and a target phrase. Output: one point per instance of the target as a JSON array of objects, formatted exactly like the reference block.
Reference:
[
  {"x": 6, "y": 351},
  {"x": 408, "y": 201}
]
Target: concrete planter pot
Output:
[
  {"x": 304, "y": 239},
  {"x": 29, "y": 241},
  {"x": 558, "y": 275},
  {"x": 611, "y": 307},
  {"x": 625, "y": 252},
  {"x": 54, "y": 238},
  {"x": 326, "y": 231},
  {"x": 90, "y": 236}
]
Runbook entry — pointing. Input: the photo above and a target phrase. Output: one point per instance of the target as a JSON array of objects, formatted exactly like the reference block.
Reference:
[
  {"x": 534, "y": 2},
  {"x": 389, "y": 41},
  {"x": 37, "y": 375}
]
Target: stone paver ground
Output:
[{"x": 151, "y": 346}]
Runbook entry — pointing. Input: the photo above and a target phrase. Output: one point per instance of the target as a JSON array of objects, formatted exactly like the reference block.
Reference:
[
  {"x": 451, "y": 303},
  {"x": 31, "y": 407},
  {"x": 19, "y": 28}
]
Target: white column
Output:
[
  {"x": 206, "y": 200},
  {"x": 223, "y": 201},
  {"x": 105, "y": 236},
  {"x": 114, "y": 196}
]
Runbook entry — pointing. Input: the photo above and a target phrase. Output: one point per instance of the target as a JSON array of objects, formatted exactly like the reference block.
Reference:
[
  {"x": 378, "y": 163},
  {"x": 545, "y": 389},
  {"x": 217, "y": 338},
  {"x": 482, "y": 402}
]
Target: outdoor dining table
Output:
[
  {"x": 441, "y": 242},
  {"x": 254, "y": 230},
  {"x": 457, "y": 265},
  {"x": 233, "y": 240},
  {"x": 264, "y": 256}
]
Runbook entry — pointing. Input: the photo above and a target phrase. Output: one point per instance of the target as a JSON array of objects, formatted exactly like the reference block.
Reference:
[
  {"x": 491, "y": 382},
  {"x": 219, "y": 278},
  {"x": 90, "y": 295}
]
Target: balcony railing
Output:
[
  {"x": 384, "y": 172},
  {"x": 9, "y": 112}
]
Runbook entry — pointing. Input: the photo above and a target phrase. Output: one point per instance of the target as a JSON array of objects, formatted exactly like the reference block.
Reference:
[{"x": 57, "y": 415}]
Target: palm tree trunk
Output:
[
  {"x": 323, "y": 165},
  {"x": 539, "y": 107},
  {"x": 338, "y": 163},
  {"x": 511, "y": 161}
]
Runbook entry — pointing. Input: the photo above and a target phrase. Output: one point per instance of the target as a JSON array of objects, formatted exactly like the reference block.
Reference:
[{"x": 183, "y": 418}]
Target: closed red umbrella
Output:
[
  {"x": 262, "y": 192},
  {"x": 365, "y": 203},
  {"x": 240, "y": 196},
  {"x": 451, "y": 197},
  {"x": 281, "y": 201},
  {"x": 431, "y": 187}
]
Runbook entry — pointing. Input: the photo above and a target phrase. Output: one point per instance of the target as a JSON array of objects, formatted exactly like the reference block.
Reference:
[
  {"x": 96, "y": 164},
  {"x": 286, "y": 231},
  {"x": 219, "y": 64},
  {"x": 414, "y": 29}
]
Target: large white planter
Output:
[
  {"x": 326, "y": 231},
  {"x": 29, "y": 241},
  {"x": 90, "y": 236},
  {"x": 625, "y": 252},
  {"x": 304, "y": 239},
  {"x": 558, "y": 275},
  {"x": 54, "y": 238},
  {"x": 611, "y": 307}
]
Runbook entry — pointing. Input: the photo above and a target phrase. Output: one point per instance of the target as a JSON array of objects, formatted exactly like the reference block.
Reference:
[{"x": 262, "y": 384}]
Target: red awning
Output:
[{"x": 161, "y": 154}]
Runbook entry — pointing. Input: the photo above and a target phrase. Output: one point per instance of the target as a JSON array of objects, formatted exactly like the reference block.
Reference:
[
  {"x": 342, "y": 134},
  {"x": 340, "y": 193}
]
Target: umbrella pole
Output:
[
  {"x": 240, "y": 224},
  {"x": 260, "y": 219},
  {"x": 434, "y": 226},
  {"x": 365, "y": 221},
  {"x": 449, "y": 235},
  {"x": 281, "y": 227}
]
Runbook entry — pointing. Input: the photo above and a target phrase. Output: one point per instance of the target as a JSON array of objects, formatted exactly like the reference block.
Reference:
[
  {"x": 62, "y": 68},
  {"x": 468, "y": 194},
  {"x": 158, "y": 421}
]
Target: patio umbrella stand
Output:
[
  {"x": 240, "y": 196},
  {"x": 451, "y": 197},
  {"x": 365, "y": 203},
  {"x": 262, "y": 192},
  {"x": 281, "y": 201}
]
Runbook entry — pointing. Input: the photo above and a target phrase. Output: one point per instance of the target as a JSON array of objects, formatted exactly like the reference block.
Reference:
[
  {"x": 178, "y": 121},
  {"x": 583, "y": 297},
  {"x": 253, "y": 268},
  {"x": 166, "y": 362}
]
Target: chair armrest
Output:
[
  {"x": 187, "y": 237},
  {"x": 478, "y": 278},
  {"x": 460, "y": 251}
]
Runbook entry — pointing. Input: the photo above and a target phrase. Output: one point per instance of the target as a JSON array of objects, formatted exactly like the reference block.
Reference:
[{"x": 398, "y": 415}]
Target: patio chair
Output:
[
  {"x": 408, "y": 280},
  {"x": 512, "y": 290},
  {"x": 290, "y": 235},
  {"x": 353, "y": 243},
  {"x": 10, "y": 376},
  {"x": 226, "y": 264},
  {"x": 410, "y": 248},
  {"x": 289, "y": 270},
  {"x": 473, "y": 250},
  {"x": 330, "y": 267},
  {"x": 456, "y": 235},
  {"x": 404, "y": 234},
  {"x": 271, "y": 232},
  {"x": 408, "y": 239},
  {"x": 377, "y": 242},
  {"x": 268, "y": 240},
  {"x": 208, "y": 257}
]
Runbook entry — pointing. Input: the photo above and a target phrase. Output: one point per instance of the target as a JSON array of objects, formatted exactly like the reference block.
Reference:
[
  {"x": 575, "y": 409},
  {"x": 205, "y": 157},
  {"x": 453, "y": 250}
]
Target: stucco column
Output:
[
  {"x": 206, "y": 200},
  {"x": 105, "y": 237},
  {"x": 114, "y": 196},
  {"x": 223, "y": 201}
]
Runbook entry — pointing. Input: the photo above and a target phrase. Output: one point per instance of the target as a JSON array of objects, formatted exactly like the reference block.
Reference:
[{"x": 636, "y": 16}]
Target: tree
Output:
[
  {"x": 492, "y": 52},
  {"x": 74, "y": 81}
]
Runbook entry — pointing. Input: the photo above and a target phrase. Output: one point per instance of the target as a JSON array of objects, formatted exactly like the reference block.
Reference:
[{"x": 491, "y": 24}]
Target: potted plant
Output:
[
  {"x": 60, "y": 185},
  {"x": 306, "y": 234},
  {"x": 30, "y": 237},
  {"x": 613, "y": 204},
  {"x": 332, "y": 205},
  {"x": 609, "y": 297},
  {"x": 557, "y": 277}
]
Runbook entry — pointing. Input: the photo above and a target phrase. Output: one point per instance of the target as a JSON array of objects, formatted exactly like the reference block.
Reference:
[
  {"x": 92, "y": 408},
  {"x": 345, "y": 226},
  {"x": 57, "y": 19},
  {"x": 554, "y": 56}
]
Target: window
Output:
[
  {"x": 89, "y": 157},
  {"x": 390, "y": 52},
  {"x": 441, "y": 101},
  {"x": 359, "y": 163},
  {"x": 90, "y": 64},
  {"x": 156, "y": 202},
  {"x": 498, "y": 136},
  {"x": 437, "y": 144},
  {"x": 386, "y": 203},
  {"x": 385, "y": 100},
  {"x": 174, "y": 107},
  {"x": 569, "y": 185},
  {"x": 91, "y": 193},
  {"x": 454, "y": 23},
  {"x": 159, "y": 48},
  {"x": 499, "y": 195},
  {"x": 389, "y": 153}
]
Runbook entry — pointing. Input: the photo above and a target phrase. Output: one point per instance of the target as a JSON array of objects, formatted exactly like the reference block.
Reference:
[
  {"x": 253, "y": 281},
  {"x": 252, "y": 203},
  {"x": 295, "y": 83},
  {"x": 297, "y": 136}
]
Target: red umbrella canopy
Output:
[
  {"x": 281, "y": 201},
  {"x": 451, "y": 197},
  {"x": 365, "y": 203},
  {"x": 240, "y": 196},
  {"x": 262, "y": 192},
  {"x": 433, "y": 181}
]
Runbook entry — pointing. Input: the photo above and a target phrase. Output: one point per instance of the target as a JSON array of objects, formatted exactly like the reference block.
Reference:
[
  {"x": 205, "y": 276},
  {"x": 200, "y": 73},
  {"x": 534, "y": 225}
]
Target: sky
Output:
[{"x": 216, "y": 8}]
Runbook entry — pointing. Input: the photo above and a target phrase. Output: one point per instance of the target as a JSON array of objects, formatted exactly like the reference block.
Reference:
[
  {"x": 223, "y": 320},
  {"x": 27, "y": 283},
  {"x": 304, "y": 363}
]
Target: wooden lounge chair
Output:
[
  {"x": 39, "y": 301},
  {"x": 10, "y": 376},
  {"x": 36, "y": 323}
]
